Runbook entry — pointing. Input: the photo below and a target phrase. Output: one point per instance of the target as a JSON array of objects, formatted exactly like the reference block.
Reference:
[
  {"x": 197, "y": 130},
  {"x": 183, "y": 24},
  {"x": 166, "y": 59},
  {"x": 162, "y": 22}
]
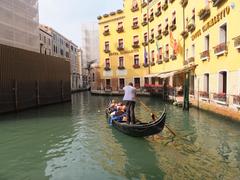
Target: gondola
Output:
[{"x": 141, "y": 129}]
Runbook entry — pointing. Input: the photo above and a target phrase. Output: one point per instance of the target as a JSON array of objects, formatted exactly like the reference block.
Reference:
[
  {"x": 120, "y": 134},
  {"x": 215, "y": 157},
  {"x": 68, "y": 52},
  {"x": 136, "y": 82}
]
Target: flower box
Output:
[
  {"x": 144, "y": 4},
  {"x": 107, "y": 69},
  {"x": 136, "y": 8},
  {"x": 120, "y": 48},
  {"x": 220, "y": 49},
  {"x": 191, "y": 27},
  {"x": 173, "y": 57},
  {"x": 184, "y": 3},
  {"x": 158, "y": 13},
  {"x": 152, "y": 40},
  {"x": 204, "y": 13},
  {"x": 135, "y": 46},
  {"x": 145, "y": 43},
  {"x": 166, "y": 59},
  {"x": 145, "y": 64},
  {"x": 135, "y": 27},
  {"x": 151, "y": 18},
  {"x": 204, "y": 55},
  {"x": 121, "y": 67},
  {"x": 220, "y": 97},
  {"x": 106, "y": 50},
  {"x": 184, "y": 34},
  {"x": 120, "y": 30}
]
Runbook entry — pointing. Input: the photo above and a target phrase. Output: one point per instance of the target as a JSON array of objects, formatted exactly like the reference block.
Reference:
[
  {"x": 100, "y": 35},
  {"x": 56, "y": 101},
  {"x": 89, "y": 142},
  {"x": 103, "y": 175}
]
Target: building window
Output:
[
  {"x": 107, "y": 63},
  {"x": 121, "y": 83},
  {"x": 120, "y": 26},
  {"x": 44, "y": 39},
  {"x": 93, "y": 77},
  {"x": 49, "y": 42},
  {"x": 61, "y": 52},
  {"x": 137, "y": 83},
  {"x": 193, "y": 50},
  {"x": 160, "y": 54},
  {"x": 153, "y": 56},
  {"x": 120, "y": 44},
  {"x": 223, "y": 34},
  {"x": 145, "y": 18},
  {"x": 159, "y": 29},
  {"x": 159, "y": 9},
  {"x": 107, "y": 46},
  {"x": 135, "y": 40},
  {"x": 222, "y": 88},
  {"x": 167, "y": 51},
  {"x": 174, "y": 18},
  {"x": 40, "y": 36},
  {"x": 106, "y": 28},
  {"x": 166, "y": 24},
  {"x": 206, "y": 43},
  {"x": 152, "y": 33},
  {"x": 135, "y": 22},
  {"x": 121, "y": 62},
  {"x": 206, "y": 83},
  {"x": 108, "y": 84},
  {"x": 145, "y": 37},
  {"x": 136, "y": 60},
  {"x": 146, "y": 80},
  {"x": 153, "y": 79}
]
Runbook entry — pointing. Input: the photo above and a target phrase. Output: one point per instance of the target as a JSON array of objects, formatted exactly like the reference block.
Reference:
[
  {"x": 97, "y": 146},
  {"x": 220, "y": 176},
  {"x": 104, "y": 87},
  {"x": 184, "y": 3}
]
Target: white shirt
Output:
[{"x": 130, "y": 93}]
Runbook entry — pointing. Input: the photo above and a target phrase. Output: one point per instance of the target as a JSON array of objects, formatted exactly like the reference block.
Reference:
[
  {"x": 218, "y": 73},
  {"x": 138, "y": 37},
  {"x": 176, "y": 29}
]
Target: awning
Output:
[
  {"x": 166, "y": 75},
  {"x": 151, "y": 75}
]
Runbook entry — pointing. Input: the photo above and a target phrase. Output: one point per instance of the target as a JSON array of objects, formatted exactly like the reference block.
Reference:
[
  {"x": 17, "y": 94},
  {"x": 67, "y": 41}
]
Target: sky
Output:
[{"x": 66, "y": 16}]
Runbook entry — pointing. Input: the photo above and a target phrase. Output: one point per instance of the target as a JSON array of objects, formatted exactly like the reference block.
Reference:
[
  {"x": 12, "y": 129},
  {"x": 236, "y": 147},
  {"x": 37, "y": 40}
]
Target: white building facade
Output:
[
  {"x": 45, "y": 38},
  {"x": 19, "y": 21}
]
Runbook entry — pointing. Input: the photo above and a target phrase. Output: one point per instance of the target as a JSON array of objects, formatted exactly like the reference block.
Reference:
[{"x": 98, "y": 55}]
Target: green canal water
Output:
[{"x": 73, "y": 141}]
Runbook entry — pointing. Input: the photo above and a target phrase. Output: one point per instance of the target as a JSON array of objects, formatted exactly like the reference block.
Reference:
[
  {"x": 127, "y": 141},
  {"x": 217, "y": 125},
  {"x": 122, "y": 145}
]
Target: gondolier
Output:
[{"x": 130, "y": 99}]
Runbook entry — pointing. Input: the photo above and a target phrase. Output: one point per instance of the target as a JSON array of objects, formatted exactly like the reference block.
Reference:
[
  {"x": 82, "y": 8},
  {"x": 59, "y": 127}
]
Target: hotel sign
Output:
[
  {"x": 212, "y": 22},
  {"x": 123, "y": 52}
]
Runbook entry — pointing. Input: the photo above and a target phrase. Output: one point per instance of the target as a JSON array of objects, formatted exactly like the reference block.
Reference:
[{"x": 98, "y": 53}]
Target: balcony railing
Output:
[
  {"x": 165, "y": 6},
  {"x": 160, "y": 61},
  {"x": 166, "y": 59},
  {"x": 107, "y": 68},
  {"x": 121, "y": 67},
  {"x": 204, "y": 13},
  {"x": 106, "y": 50},
  {"x": 159, "y": 36},
  {"x": 135, "y": 45},
  {"x": 145, "y": 64},
  {"x": 173, "y": 27},
  {"x": 158, "y": 13},
  {"x": 151, "y": 18},
  {"x": 120, "y": 48},
  {"x": 220, "y": 49},
  {"x": 136, "y": 66},
  {"x": 135, "y": 26},
  {"x": 184, "y": 34},
  {"x": 136, "y": 8},
  {"x": 220, "y": 97},
  {"x": 204, "y": 55}
]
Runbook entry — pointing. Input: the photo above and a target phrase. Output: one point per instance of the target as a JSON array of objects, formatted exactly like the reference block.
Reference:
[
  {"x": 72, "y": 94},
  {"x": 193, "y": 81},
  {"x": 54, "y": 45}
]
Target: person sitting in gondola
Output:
[{"x": 119, "y": 114}]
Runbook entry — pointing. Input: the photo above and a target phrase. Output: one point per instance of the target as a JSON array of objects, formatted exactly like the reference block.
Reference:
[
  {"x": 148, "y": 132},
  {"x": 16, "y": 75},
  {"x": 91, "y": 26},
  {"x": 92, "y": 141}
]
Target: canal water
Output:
[{"x": 73, "y": 141}]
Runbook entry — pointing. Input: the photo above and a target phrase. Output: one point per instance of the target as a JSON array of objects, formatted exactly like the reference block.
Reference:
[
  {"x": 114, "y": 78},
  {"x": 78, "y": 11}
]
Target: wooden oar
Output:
[{"x": 147, "y": 108}]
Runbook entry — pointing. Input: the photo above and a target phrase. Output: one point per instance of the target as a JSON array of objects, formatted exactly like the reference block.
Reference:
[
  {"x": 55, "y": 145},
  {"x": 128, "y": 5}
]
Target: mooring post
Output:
[{"x": 186, "y": 93}]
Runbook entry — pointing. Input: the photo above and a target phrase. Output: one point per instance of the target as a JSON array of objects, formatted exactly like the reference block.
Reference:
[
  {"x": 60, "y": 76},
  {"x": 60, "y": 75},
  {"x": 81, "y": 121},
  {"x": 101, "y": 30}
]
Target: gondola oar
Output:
[{"x": 147, "y": 108}]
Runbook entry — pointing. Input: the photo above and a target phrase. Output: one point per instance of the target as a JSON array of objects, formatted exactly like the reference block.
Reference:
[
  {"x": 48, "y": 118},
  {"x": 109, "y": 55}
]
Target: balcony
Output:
[
  {"x": 144, "y": 23},
  {"x": 217, "y": 2},
  {"x": 173, "y": 27},
  {"x": 120, "y": 30},
  {"x": 134, "y": 9},
  {"x": 121, "y": 67},
  {"x": 171, "y": 1},
  {"x": 191, "y": 60},
  {"x": 165, "y": 32},
  {"x": 106, "y": 33},
  {"x": 135, "y": 26},
  {"x": 106, "y": 50},
  {"x": 151, "y": 18},
  {"x": 191, "y": 26},
  {"x": 136, "y": 66},
  {"x": 153, "y": 63},
  {"x": 159, "y": 36},
  {"x": 159, "y": 61},
  {"x": 165, "y": 6},
  {"x": 152, "y": 40},
  {"x": 120, "y": 48},
  {"x": 220, "y": 97},
  {"x": 145, "y": 43},
  {"x": 144, "y": 4},
  {"x": 220, "y": 49},
  {"x": 173, "y": 57},
  {"x": 204, "y": 55},
  {"x": 204, "y": 94},
  {"x": 184, "y": 34},
  {"x": 107, "y": 68},
  {"x": 204, "y": 13},
  {"x": 145, "y": 64},
  {"x": 166, "y": 59},
  {"x": 184, "y": 3},
  {"x": 158, "y": 13},
  {"x": 237, "y": 42},
  {"x": 135, "y": 45}
]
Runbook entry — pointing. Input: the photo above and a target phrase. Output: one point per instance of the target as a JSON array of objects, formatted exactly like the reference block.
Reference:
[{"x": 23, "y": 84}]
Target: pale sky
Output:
[{"x": 66, "y": 16}]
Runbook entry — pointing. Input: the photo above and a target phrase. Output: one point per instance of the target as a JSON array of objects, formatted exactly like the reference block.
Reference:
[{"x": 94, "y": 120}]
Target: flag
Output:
[
  {"x": 145, "y": 56},
  {"x": 173, "y": 43}
]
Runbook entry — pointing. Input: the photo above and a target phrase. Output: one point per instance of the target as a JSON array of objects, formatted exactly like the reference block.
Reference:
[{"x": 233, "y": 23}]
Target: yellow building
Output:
[{"x": 163, "y": 40}]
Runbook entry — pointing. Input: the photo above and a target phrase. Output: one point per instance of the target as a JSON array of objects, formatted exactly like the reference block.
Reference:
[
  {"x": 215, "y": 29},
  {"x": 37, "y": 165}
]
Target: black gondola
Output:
[{"x": 141, "y": 129}]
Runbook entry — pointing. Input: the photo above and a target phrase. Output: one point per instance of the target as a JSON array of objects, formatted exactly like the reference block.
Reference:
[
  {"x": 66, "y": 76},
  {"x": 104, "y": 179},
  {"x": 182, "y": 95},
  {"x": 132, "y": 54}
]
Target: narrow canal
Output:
[{"x": 73, "y": 141}]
